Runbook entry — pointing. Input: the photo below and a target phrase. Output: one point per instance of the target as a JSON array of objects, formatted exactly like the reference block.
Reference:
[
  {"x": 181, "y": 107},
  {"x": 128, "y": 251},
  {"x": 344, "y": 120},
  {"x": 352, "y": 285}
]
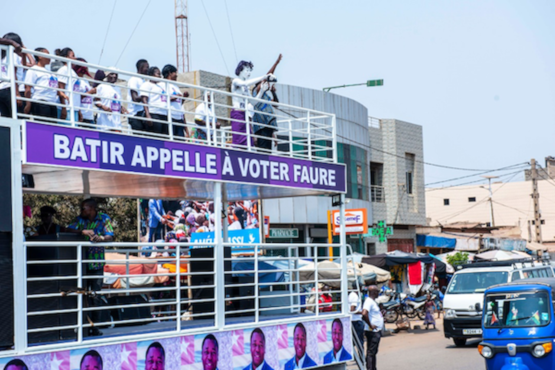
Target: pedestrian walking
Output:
[
  {"x": 373, "y": 318},
  {"x": 430, "y": 308},
  {"x": 355, "y": 303}
]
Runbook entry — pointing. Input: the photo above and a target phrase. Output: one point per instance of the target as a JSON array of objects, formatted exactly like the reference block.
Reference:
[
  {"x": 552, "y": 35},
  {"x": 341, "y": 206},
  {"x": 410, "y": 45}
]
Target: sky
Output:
[{"x": 477, "y": 75}]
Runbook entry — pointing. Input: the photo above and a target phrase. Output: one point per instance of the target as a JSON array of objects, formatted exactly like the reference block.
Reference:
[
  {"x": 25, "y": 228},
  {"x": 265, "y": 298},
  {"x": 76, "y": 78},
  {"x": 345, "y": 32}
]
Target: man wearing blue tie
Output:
[
  {"x": 301, "y": 359},
  {"x": 338, "y": 352},
  {"x": 155, "y": 219}
]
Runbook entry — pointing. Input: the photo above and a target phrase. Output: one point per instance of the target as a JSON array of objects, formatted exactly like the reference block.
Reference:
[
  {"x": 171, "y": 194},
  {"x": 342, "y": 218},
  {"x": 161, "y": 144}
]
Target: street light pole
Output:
[
  {"x": 491, "y": 218},
  {"x": 368, "y": 83}
]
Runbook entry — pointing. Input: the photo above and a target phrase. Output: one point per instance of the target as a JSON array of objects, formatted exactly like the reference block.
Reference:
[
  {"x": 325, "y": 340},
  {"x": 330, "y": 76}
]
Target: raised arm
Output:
[
  {"x": 273, "y": 69},
  {"x": 252, "y": 81}
]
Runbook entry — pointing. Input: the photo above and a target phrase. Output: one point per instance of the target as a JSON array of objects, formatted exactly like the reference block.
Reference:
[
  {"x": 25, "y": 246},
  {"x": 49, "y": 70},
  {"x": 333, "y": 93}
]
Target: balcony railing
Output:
[
  {"x": 377, "y": 194},
  {"x": 299, "y": 132}
]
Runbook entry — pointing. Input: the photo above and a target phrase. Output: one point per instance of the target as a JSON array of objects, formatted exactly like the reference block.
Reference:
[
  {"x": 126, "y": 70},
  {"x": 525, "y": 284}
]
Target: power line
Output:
[
  {"x": 516, "y": 209},
  {"x": 231, "y": 32},
  {"x": 215, "y": 38},
  {"x": 481, "y": 173},
  {"x": 433, "y": 164},
  {"x": 474, "y": 205},
  {"x": 132, "y": 33},
  {"x": 470, "y": 182},
  {"x": 107, "y": 30}
]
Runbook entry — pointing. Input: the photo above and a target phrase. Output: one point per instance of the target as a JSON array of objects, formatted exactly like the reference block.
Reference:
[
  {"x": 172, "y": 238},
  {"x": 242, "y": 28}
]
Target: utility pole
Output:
[
  {"x": 536, "y": 199},
  {"x": 182, "y": 35},
  {"x": 491, "y": 218}
]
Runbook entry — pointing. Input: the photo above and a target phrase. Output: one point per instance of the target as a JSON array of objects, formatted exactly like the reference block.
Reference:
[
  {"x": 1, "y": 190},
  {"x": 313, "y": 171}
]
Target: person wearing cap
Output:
[
  {"x": 48, "y": 227},
  {"x": 83, "y": 94},
  {"x": 108, "y": 100}
]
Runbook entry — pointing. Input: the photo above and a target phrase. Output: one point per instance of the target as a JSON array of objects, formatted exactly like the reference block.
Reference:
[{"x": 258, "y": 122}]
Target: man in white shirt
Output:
[
  {"x": 136, "y": 111},
  {"x": 355, "y": 303},
  {"x": 205, "y": 116},
  {"x": 373, "y": 318}
]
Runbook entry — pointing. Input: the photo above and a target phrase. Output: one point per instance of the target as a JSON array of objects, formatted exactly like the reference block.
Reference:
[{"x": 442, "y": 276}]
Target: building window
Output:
[
  {"x": 409, "y": 182},
  {"x": 376, "y": 182},
  {"x": 409, "y": 165},
  {"x": 471, "y": 199},
  {"x": 370, "y": 249},
  {"x": 445, "y": 202}
]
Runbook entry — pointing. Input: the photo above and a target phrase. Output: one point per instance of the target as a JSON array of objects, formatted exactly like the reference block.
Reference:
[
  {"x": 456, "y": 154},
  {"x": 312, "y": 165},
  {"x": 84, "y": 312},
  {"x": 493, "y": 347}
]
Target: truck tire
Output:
[{"x": 459, "y": 342}]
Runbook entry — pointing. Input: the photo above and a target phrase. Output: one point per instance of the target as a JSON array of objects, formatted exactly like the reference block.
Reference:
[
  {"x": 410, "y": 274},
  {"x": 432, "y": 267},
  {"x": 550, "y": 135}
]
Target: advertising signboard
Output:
[{"x": 356, "y": 221}]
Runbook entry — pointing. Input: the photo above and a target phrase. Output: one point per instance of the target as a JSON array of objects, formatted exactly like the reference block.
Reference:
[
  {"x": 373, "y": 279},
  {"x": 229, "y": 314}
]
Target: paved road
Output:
[{"x": 421, "y": 349}]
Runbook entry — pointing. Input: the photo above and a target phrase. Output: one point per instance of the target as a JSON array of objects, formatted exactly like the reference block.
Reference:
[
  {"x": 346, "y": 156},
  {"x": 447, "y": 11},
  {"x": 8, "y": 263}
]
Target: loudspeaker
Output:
[
  {"x": 51, "y": 286},
  {"x": 208, "y": 279},
  {"x": 6, "y": 181},
  {"x": 6, "y": 289}
]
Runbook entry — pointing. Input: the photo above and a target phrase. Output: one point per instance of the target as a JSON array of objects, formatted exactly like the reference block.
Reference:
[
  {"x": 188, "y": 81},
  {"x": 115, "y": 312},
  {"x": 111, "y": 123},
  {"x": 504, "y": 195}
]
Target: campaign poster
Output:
[{"x": 305, "y": 344}]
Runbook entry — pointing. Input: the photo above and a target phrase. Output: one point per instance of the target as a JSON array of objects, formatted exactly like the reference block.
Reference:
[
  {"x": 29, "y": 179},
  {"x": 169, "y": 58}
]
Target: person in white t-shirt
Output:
[
  {"x": 136, "y": 111},
  {"x": 5, "y": 86},
  {"x": 83, "y": 94},
  {"x": 108, "y": 100},
  {"x": 169, "y": 72},
  {"x": 205, "y": 116},
  {"x": 43, "y": 91},
  {"x": 373, "y": 318},
  {"x": 64, "y": 74},
  {"x": 241, "y": 106},
  {"x": 355, "y": 304},
  {"x": 155, "y": 98},
  {"x": 20, "y": 60}
]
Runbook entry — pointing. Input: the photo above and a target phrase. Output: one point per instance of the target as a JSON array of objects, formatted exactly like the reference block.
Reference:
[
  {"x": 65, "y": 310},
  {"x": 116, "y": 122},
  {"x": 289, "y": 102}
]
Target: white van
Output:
[{"x": 463, "y": 298}]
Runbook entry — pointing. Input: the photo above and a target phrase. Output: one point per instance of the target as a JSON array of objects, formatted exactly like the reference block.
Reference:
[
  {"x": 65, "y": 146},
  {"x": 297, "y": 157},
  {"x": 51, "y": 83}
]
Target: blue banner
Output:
[{"x": 241, "y": 237}]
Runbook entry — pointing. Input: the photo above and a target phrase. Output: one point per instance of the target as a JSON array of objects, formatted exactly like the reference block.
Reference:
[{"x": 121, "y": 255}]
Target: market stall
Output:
[{"x": 410, "y": 272}]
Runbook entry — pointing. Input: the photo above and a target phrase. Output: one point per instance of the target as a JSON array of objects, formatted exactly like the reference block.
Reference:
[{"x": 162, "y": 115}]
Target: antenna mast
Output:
[{"x": 182, "y": 36}]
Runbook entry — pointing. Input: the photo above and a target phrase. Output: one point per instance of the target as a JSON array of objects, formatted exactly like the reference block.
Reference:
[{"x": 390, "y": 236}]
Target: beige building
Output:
[
  {"x": 397, "y": 182},
  {"x": 512, "y": 206}
]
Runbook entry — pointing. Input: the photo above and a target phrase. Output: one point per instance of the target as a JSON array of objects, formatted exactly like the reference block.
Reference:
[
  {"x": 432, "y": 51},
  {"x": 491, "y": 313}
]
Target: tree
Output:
[
  {"x": 122, "y": 211},
  {"x": 459, "y": 258}
]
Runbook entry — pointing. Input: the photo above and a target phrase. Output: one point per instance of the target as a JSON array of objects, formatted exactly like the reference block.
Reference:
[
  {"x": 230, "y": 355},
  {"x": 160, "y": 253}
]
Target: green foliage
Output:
[
  {"x": 459, "y": 258},
  {"x": 122, "y": 211}
]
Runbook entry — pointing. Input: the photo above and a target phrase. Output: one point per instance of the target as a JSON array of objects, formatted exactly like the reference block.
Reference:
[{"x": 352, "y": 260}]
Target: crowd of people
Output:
[
  {"x": 176, "y": 221},
  {"x": 44, "y": 93}
]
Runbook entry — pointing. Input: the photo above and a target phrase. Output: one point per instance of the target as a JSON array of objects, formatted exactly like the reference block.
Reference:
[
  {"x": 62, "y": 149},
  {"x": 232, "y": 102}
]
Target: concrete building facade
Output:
[
  {"x": 397, "y": 182},
  {"x": 512, "y": 206}
]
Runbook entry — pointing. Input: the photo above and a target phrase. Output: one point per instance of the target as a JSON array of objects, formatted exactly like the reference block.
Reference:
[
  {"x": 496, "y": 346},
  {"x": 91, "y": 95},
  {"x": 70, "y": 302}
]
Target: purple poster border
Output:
[{"x": 54, "y": 145}]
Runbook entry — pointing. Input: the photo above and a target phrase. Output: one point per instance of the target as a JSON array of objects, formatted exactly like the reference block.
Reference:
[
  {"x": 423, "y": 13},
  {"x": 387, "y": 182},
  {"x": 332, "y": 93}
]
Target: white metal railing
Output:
[
  {"x": 269, "y": 287},
  {"x": 374, "y": 122},
  {"x": 377, "y": 194},
  {"x": 300, "y": 132}
]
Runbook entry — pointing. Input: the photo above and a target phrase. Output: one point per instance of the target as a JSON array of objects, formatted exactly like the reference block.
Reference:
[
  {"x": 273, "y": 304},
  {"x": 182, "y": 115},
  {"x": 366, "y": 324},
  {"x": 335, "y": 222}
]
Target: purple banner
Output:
[
  {"x": 70, "y": 147},
  {"x": 307, "y": 344}
]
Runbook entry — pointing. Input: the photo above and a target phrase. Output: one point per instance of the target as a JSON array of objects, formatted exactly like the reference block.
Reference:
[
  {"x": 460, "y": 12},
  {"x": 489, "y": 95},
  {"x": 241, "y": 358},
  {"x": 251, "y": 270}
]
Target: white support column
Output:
[
  {"x": 219, "y": 266},
  {"x": 343, "y": 255},
  {"x": 169, "y": 108},
  {"x": 80, "y": 296},
  {"x": 71, "y": 95},
  {"x": 19, "y": 250},
  {"x": 334, "y": 138},
  {"x": 10, "y": 61}
]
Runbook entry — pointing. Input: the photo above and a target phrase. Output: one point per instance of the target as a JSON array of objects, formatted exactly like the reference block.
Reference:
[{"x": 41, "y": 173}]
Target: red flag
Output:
[{"x": 493, "y": 319}]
